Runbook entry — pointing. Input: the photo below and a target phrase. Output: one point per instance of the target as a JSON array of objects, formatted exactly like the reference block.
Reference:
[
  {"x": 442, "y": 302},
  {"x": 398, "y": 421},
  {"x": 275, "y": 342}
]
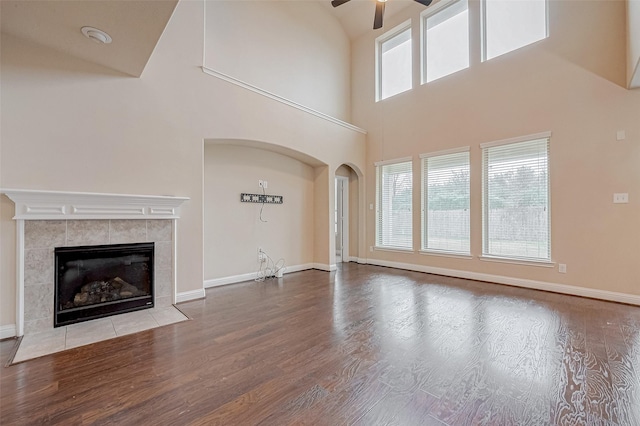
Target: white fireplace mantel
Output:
[{"x": 59, "y": 205}]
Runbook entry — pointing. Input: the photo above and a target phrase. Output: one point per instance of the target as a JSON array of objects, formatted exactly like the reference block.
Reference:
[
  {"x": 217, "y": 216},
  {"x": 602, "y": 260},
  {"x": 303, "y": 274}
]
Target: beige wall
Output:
[
  {"x": 74, "y": 126},
  {"x": 324, "y": 243},
  {"x": 8, "y": 259},
  {"x": 233, "y": 230},
  {"x": 633, "y": 41},
  {"x": 291, "y": 48},
  {"x": 571, "y": 84}
]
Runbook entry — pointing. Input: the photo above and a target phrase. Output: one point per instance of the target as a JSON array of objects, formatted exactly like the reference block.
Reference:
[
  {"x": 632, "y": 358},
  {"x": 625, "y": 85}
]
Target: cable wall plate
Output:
[{"x": 261, "y": 198}]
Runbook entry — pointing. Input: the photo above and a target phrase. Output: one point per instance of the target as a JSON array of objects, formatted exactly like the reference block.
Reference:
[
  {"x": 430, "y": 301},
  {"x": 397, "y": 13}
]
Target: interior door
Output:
[
  {"x": 342, "y": 219},
  {"x": 338, "y": 219}
]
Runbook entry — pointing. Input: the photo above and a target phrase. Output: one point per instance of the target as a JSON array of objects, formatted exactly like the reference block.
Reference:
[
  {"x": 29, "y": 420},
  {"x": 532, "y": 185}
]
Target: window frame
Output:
[
  {"x": 379, "y": 188},
  {"x": 424, "y": 202},
  {"x": 396, "y": 31},
  {"x": 547, "y": 262},
  {"x": 424, "y": 16},
  {"x": 483, "y": 31}
]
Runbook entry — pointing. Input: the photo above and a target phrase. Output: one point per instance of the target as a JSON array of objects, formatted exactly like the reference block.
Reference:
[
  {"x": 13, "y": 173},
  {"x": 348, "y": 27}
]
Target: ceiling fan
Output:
[{"x": 377, "y": 19}]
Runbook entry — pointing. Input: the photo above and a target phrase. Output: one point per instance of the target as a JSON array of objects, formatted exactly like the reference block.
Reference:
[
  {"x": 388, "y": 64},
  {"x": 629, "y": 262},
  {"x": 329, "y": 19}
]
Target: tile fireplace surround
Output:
[{"x": 49, "y": 219}]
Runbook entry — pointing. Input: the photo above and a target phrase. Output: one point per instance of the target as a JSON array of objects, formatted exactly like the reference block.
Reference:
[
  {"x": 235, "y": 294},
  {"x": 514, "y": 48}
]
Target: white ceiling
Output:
[{"x": 136, "y": 25}]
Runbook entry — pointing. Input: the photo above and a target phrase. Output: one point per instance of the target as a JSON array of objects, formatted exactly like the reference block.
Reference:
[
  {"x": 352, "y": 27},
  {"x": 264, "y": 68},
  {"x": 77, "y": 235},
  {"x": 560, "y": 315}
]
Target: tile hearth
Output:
[{"x": 59, "y": 339}]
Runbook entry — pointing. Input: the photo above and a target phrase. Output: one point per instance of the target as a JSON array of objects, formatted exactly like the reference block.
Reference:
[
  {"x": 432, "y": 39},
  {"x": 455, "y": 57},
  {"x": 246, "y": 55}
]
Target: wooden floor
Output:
[{"x": 366, "y": 345}]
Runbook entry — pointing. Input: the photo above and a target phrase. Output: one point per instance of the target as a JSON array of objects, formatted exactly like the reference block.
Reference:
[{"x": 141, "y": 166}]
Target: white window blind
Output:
[
  {"x": 394, "y": 200},
  {"x": 394, "y": 62},
  {"x": 516, "y": 200},
  {"x": 445, "y": 215},
  {"x": 445, "y": 40}
]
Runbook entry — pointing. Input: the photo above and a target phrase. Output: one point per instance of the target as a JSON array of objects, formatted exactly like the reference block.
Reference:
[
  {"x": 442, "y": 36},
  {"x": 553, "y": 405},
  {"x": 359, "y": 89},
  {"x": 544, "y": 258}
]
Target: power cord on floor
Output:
[{"x": 269, "y": 268}]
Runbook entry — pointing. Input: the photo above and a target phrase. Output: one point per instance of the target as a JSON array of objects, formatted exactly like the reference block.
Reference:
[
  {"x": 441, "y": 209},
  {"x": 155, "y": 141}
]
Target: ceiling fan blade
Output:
[
  {"x": 377, "y": 19},
  {"x": 336, "y": 3},
  {"x": 424, "y": 2}
]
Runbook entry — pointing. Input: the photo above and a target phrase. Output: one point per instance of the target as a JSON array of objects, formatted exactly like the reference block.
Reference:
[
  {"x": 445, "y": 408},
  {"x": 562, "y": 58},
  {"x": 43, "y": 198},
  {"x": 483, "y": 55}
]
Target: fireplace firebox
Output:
[{"x": 97, "y": 281}]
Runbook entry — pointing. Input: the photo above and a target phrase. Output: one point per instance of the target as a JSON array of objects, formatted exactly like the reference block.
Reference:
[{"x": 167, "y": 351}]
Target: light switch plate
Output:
[{"x": 620, "y": 135}]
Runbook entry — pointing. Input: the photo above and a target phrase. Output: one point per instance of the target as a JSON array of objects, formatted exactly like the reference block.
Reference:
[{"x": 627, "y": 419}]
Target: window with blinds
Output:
[
  {"x": 515, "y": 199},
  {"x": 394, "y": 205},
  {"x": 445, "y": 202}
]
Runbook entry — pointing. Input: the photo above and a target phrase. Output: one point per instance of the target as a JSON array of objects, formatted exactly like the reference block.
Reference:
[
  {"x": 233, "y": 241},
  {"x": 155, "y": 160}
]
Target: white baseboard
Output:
[
  {"x": 298, "y": 268},
  {"x": 7, "y": 331},
  {"x": 190, "y": 295},
  {"x": 325, "y": 267},
  {"x": 517, "y": 282},
  {"x": 215, "y": 282},
  {"x": 230, "y": 280}
]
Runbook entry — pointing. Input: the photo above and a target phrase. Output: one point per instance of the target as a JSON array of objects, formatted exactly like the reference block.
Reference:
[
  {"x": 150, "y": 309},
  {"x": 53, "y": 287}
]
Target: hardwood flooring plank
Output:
[
  {"x": 387, "y": 411},
  {"x": 296, "y": 407},
  {"x": 570, "y": 406},
  {"x": 418, "y": 409},
  {"x": 624, "y": 377},
  {"x": 348, "y": 403},
  {"x": 600, "y": 398}
]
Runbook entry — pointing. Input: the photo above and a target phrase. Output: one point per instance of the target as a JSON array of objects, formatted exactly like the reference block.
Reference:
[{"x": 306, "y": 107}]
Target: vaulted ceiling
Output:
[{"x": 134, "y": 25}]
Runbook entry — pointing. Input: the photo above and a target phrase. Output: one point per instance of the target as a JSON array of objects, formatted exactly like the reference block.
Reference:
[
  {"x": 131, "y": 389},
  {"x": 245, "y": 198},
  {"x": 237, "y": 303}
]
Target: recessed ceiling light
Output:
[{"x": 96, "y": 35}]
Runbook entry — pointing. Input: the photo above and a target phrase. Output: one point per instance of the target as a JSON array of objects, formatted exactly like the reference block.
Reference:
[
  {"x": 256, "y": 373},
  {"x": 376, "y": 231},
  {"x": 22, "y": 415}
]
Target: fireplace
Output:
[
  {"x": 49, "y": 219},
  {"x": 98, "y": 281}
]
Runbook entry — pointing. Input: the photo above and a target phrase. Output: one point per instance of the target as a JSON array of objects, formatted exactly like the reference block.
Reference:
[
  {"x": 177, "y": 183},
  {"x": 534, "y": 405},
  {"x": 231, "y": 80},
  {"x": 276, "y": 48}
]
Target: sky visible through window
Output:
[
  {"x": 395, "y": 69},
  {"x": 447, "y": 41},
  {"x": 512, "y": 24}
]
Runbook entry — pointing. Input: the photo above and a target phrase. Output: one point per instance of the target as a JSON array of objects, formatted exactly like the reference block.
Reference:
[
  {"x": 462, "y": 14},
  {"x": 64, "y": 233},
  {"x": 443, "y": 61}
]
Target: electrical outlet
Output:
[
  {"x": 265, "y": 184},
  {"x": 562, "y": 268},
  {"x": 261, "y": 255},
  {"x": 371, "y": 249},
  {"x": 260, "y": 183},
  {"x": 621, "y": 198}
]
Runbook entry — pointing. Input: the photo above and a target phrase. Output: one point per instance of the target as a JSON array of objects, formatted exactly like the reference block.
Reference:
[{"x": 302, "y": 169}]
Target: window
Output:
[
  {"x": 515, "y": 199},
  {"x": 445, "y": 201},
  {"x": 445, "y": 40},
  {"x": 393, "y": 62},
  {"x": 393, "y": 202},
  {"x": 512, "y": 24}
]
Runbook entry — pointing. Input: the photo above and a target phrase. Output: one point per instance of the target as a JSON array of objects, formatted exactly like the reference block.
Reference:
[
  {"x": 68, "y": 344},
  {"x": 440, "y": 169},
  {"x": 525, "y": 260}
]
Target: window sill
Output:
[
  {"x": 394, "y": 249},
  {"x": 445, "y": 254},
  {"x": 540, "y": 263}
]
